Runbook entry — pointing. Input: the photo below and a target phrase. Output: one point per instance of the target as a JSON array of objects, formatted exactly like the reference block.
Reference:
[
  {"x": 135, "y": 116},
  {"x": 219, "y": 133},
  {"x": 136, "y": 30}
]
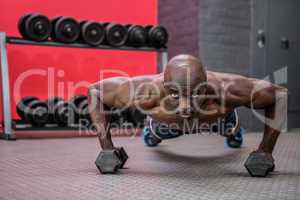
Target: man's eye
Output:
[{"x": 174, "y": 95}]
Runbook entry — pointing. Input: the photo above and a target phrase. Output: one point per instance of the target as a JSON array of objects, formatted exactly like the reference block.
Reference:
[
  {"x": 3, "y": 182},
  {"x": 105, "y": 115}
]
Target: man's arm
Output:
[
  {"x": 103, "y": 96},
  {"x": 100, "y": 117},
  {"x": 273, "y": 100}
]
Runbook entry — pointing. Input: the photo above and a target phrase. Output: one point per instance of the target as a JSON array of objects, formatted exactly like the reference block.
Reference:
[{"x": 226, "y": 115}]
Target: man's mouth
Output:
[{"x": 185, "y": 116}]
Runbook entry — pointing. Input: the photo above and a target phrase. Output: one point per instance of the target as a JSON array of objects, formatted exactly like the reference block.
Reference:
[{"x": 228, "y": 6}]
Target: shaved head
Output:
[
  {"x": 184, "y": 80},
  {"x": 185, "y": 70}
]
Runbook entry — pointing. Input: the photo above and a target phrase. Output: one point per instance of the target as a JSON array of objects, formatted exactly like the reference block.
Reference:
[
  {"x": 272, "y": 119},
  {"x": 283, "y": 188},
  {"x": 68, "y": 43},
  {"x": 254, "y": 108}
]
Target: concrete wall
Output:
[
  {"x": 224, "y": 35},
  {"x": 225, "y": 42},
  {"x": 180, "y": 19}
]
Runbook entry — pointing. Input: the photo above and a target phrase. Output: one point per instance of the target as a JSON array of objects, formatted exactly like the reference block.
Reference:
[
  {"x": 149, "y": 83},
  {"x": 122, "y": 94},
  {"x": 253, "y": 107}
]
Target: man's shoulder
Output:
[{"x": 224, "y": 77}]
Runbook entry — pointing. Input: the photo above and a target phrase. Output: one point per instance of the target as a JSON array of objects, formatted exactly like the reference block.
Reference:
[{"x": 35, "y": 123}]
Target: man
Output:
[{"x": 186, "y": 94}]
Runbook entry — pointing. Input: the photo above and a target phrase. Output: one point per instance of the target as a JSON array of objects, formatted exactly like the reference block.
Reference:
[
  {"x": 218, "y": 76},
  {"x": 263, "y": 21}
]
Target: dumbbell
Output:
[
  {"x": 157, "y": 36},
  {"x": 137, "y": 35},
  {"x": 60, "y": 112},
  {"x": 92, "y": 32},
  {"x": 83, "y": 109},
  {"x": 80, "y": 106},
  {"x": 259, "y": 164},
  {"x": 115, "y": 34},
  {"x": 109, "y": 161},
  {"x": 65, "y": 29},
  {"x": 33, "y": 111},
  {"x": 34, "y": 26}
]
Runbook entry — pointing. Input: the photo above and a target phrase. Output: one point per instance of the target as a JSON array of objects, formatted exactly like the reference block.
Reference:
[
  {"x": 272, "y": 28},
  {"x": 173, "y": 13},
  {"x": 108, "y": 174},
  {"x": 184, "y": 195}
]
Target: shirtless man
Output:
[{"x": 186, "y": 94}]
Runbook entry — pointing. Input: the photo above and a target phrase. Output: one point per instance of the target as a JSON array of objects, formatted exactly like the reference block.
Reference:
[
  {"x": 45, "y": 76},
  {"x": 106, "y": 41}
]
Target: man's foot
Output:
[
  {"x": 233, "y": 131},
  {"x": 259, "y": 164},
  {"x": 235, "y": 141},
  {"x": 149, "y": 139}
]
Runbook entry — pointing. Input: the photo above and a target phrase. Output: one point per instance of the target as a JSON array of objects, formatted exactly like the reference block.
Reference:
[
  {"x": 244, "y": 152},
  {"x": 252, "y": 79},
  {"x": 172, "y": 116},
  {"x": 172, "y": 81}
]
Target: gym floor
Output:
[{"x": 190, "y": 167}]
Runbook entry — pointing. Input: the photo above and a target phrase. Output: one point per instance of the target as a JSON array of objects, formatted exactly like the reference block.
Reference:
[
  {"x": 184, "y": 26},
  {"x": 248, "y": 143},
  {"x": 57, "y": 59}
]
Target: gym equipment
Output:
[
  {"x": 157, "y": 36},
  {"x": 122, "y": 155},
  {"x": 65, "y": 29},
  {"x": 60, "y": 112},
  {"x": 92, "y": 33},
  {"x": 83, "y": 109},
  {"x": 35, "y": 27},
  {"x": 33, "y": 111},
  {"x": 64, "y": 114},
  {"x": 116, "y": 34},
  {"x": 52, "y": 103},
  {"x": 80, "y": 107},
  {"x": 259, "y": 164},
  {"x": 109, "y": 161},
  {"x": 137, "y": 35},
  {"x": 21, "y": 25},
  {"x": 8, "y": 123}
]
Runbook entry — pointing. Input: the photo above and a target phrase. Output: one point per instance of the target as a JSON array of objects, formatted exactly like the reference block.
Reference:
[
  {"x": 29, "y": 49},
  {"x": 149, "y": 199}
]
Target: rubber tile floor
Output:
[{"x": 190, "y": 167}]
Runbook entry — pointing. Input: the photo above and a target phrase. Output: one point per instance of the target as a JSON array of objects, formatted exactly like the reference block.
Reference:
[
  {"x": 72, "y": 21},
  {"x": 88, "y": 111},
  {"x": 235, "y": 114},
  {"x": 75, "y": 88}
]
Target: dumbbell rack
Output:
[{"x": 8, "y": 133}]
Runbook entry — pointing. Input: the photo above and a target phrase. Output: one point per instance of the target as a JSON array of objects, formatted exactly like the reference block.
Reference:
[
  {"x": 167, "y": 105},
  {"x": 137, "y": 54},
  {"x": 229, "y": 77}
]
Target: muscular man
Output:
[{"x": 186, "y": 94}]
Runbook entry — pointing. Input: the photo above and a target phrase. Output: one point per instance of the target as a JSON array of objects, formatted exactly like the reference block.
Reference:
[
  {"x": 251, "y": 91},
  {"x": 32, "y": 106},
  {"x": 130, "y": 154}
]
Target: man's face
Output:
[{"x": 185, "y": 98}]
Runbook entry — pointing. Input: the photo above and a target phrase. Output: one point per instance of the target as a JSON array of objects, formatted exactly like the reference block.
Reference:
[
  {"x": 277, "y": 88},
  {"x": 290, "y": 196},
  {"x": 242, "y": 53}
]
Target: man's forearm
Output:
[
  {"x": 100, "y": 119},
  {"x": 275, "y": 117},
  {"x": 270, "y": 134}
]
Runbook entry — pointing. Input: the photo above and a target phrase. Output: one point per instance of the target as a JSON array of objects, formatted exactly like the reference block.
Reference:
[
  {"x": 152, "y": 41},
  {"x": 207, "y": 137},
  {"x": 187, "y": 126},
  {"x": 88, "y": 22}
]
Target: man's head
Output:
[{"x": 184, "y": 80}]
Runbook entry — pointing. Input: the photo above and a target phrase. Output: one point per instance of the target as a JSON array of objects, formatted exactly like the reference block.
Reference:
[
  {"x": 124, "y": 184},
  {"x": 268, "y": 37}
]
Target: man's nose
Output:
[{"x": 184, "y": 108}]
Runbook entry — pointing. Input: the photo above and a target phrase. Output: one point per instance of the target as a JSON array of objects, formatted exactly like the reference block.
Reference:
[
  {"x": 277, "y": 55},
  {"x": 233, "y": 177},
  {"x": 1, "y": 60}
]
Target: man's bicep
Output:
[
  {"x": 263, "y": 94},
  {"x": 104, "y": 93}
]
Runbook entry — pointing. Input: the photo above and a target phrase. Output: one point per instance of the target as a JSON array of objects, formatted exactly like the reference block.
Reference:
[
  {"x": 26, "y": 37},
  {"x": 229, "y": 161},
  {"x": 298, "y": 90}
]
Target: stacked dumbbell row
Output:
[
  {"x": 38, "y": 27},
  {"x": 53, "y": 111}
]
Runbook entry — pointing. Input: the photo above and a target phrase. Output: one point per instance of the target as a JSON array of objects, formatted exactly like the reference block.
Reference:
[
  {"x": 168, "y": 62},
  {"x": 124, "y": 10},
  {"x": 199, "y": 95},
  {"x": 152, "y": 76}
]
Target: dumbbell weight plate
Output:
[
  {"x": 137, "y": 35},
  {"x": 21, "y": 25},
  {"x": 83, "y": 109},
  {"x": 65, "y": 29},
  {"x": 21, "y": 106},
  {"x": 108, "y": 161},
  {"x": 53, "y": 22},
  {"x": 52, "y": 103},
  {"x": 75, "y": 101},
  {"x": 92, "y": 33},
  {"x": 37, "y": 113},
  {"x": 157, "y": 36},
  {"x": 37, "y": 27},
  {"x": 116, "y": 34},
  {"x": 64, "y": 113},
  {"x": 122, "y": 156},
  {"x": 259, "y": 164}
]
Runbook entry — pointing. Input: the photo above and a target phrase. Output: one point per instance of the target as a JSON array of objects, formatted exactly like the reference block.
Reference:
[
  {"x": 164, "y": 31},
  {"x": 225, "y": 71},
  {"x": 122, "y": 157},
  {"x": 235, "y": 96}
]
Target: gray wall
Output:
[
  {"x": 224, "y": 35},
  {"x": 218, "y": 31},
  {"x": 225, "y": 42},
  {"x": 179, "y": 18}
]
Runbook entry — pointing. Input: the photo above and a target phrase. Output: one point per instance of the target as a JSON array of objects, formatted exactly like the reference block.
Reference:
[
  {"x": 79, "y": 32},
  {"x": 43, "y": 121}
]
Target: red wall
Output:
[{"x": 72, "y": 66}]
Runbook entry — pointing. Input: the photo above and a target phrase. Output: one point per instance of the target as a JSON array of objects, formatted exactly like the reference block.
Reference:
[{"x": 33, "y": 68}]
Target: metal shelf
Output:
[
  {"x": 8, "y": 133},
  {"x": 21, "y": 41}
]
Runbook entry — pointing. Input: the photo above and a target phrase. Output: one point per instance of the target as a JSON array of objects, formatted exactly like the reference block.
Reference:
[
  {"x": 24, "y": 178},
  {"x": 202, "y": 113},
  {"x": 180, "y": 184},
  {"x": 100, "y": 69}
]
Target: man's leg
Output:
[
  {"x": 155, "y": 132},
  {"x": 233, "y": 131}
]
